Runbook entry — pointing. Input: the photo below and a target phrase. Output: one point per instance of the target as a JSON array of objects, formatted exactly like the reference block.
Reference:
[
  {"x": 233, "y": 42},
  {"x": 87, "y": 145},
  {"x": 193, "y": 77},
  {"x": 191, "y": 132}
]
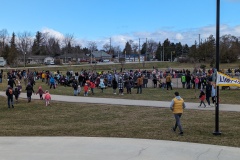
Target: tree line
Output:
[{"x": 23, "y": 44}]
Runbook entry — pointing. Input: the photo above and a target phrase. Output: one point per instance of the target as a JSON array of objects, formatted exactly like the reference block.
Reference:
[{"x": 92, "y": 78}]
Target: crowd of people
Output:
[
  {"x": 87, "y": 81},
  {"x": 200, "y": 80}
]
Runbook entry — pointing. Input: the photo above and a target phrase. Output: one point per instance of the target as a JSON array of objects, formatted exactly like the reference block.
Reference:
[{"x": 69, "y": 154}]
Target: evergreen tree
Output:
[
  {"x": 13, "y": 53},
  {"x": 38, "y": 48},
  {"x": 127, "y": 49},
  {"x": 159, "y": 52},
  {"x": 144, "y": 48}
]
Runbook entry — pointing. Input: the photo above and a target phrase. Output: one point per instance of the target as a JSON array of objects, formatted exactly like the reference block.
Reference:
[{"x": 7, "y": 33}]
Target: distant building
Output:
[
  {"x": 97, "y": 55},
  {"x": 3, "y": 62},
  {"x": 72, "y": 57},
  {"x": 135, "y": 58},
  {"x": 35, "y": 59}
]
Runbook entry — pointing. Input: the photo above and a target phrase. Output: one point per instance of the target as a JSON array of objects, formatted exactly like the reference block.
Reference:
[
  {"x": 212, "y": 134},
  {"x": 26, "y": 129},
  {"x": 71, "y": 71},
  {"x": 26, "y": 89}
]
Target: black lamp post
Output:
[{"x": 217, "y": 132}]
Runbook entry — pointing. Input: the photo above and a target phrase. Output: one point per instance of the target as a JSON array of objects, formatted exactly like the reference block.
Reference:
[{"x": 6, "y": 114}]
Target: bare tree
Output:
[
  {"x": 68, "y": 39},
  {"x": 106, "y": 46},
  {"x": 152, "y": 46},
  {"x": 117, "y": 49},
  {"x": 3, "y": 39},
  {"x": 135, "y": 47},
  {"x": 92, "y": 46},
  {"x": 24, "y": 42}
]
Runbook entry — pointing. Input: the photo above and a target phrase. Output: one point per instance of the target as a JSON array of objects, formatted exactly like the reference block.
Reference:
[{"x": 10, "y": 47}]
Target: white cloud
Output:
[
  {"x": 179, "y": 36},
  {"x": 53, "y": 33},
  {"x": 188, "y": 36},
  {"x": 237, "y": 30}
]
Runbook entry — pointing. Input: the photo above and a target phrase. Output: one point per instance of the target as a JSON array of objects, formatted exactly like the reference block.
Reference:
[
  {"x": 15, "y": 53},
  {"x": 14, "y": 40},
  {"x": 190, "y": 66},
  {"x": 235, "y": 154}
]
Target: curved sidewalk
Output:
[
  {"x": 99, "y": 148},
  {"x": 163, "y": 104},
  {"x": 93, "y": 148}
]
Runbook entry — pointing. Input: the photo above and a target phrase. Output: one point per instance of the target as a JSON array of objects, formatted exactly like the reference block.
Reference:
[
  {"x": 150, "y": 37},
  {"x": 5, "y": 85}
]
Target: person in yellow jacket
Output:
[
  {"x": 177, "y": 105},
  {"x": 43, "y": 77},
  {"x": 169, "y": 81}
]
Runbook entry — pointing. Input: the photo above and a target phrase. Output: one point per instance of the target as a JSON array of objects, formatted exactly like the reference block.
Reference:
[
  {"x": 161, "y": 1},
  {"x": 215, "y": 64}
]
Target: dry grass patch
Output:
[{"x": 101, "y": 120}]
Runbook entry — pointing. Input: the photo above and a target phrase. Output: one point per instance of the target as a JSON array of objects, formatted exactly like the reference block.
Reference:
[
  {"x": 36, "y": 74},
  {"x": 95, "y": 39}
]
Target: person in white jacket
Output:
[{"x": 213, "y": 94}]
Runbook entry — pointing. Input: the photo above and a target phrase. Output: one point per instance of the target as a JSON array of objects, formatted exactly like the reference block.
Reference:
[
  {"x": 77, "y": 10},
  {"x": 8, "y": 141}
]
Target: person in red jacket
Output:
[
  {"x": 202, "y": 97},
  {"x": 85, "y": 88},
  {"x": 40, "y": 92},
  {"x": 92, "y": 86}
]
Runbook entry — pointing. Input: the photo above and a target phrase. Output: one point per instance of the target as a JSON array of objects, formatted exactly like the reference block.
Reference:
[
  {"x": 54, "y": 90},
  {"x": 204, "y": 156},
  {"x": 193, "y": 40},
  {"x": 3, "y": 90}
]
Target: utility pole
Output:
[
  {"x": 163, "y": 51},
  {"x": 146, "y": 48},
  {"x": 24, "y": 59},
  {"x": 199, "y": 40},
  {"x": 139, "y": 51},
  {"x": 110, "y": 51},
  {"x": 139, "y": 47}
]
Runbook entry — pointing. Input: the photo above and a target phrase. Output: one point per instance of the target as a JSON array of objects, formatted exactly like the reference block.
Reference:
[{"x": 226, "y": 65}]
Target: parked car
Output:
[
  {"x": 106, "y": 60},
  {"x": 84, "y": 60},
  {"x": 49, "y": 63},
  {"x": 92, "y": 62}
]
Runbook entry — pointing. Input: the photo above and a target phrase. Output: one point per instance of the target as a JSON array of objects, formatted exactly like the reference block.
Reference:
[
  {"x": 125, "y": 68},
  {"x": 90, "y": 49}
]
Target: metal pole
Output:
[
  {"x": 163, "y": 51},
  {"x": 146, "y": 49},
  {"x": 217, "y": 132},
  {"x": 91, "y": 57},
  {"x": 199, "y": 40},
  {"x": 161, "y": 56},
  {"x": 24, "y": 59},
  {"x": 110, "y": 46}
]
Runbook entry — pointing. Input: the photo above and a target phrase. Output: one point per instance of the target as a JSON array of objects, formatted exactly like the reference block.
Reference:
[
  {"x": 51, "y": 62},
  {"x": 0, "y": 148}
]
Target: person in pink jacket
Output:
[
  {"x": 47, "y": 97},
  {"x": 196, "y": 81}
]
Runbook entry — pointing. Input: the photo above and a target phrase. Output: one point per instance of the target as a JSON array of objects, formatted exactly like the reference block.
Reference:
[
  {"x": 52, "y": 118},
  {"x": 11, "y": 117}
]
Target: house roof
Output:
[
  {"x": 100, "y": 54},
  {"x": 37, "y": 57},
  {"x": 73, "y": 55}
]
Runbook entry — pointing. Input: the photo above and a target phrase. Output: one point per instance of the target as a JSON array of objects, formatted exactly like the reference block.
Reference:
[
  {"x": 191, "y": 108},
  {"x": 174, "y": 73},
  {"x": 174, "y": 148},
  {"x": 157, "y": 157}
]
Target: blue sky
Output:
[{"x": 121, "y": 20}]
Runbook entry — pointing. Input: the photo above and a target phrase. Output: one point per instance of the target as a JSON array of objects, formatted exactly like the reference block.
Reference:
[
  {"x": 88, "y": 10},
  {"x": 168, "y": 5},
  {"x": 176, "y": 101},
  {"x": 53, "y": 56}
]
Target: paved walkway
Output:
[
  {"x": 166, "y": 104},
  {"x": 93, "y": 148}
]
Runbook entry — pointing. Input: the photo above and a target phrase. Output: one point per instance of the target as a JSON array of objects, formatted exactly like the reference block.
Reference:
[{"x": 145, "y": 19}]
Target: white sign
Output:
[{"x": 224, "y": 80}]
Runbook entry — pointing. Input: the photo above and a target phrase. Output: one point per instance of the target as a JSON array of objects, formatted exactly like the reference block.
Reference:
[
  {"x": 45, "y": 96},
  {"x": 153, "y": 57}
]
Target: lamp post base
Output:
[{"x": 217, "y": 133}]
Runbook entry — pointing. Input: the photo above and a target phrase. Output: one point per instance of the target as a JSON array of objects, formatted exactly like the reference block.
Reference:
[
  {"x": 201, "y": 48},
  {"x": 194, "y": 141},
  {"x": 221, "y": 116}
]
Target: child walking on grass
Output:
[
  {"x": 85, "y": 88},
  {"x": 40, "y": 92},
  {"x": 47, "y": 97},
  {"x": 202, "y": 97}
]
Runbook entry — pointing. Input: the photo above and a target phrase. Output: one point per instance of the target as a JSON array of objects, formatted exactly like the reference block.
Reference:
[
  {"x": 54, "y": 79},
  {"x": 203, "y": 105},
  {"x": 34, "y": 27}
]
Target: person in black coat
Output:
[
  {"x": 188, "y": 80},
  {"x": 11, "y": 82},
  {"x": 29, "y": 89},
  {"x": 208, "y": 92},
  {"x": 114, "y": 85}
]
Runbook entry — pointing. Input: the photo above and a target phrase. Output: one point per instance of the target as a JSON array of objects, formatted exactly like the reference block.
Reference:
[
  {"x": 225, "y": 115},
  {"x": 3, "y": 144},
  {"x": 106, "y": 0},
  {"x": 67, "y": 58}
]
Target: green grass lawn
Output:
[{"x": 102, "y": 120}]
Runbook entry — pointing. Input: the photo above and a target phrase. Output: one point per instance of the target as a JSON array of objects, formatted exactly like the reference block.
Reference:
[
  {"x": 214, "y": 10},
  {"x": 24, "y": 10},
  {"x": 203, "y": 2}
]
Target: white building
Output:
[{"x": 2, "y": 62}]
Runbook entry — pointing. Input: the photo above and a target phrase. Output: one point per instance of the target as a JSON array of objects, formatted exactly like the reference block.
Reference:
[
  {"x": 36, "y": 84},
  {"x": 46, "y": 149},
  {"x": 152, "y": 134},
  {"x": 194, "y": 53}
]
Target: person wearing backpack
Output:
[{"x": 9, "y": 93}]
